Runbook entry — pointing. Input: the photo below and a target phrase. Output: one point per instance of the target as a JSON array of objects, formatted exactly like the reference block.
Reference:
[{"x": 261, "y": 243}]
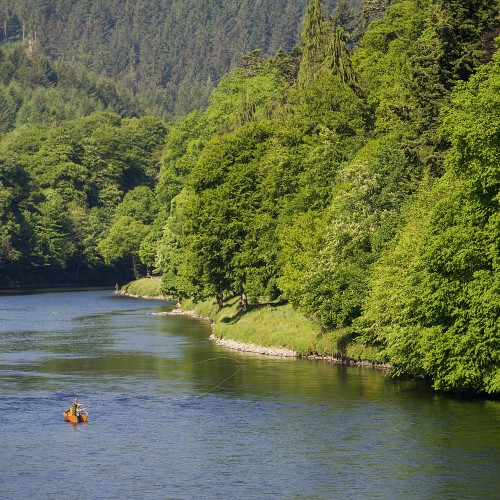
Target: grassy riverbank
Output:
[
  {"x": 279, "y": 325},
  {"x": 268, "y": 325},
  {"x": 144, "y": 287}
]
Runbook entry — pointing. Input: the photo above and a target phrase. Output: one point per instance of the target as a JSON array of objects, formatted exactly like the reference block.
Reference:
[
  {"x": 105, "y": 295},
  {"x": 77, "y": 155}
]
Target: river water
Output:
[{"x": 172, "y": 415}]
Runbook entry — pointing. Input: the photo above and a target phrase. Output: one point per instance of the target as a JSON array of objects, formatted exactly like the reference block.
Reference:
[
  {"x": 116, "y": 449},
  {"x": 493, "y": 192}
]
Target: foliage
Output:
[
  {"x": 434, "y": 303},
  {"x": 34, "y": 90},
  {"x": 171, "y": 56},
  {"x": 355, "y": 185},
  {"x": 124, "y": 241},
  {"x": 61, "y": 187}
]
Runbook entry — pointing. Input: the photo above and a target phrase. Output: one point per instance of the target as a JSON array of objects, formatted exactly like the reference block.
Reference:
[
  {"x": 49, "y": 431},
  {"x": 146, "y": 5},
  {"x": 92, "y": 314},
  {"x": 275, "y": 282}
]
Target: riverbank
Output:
[
  {"x": 272, "y": 329},
  {"x": 276, "y": 329},
  {"x": 143, "y": 288}
]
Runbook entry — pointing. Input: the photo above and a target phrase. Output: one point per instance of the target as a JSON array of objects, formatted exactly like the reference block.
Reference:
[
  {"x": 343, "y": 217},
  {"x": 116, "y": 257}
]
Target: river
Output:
[{"x": 172, "y": 415}]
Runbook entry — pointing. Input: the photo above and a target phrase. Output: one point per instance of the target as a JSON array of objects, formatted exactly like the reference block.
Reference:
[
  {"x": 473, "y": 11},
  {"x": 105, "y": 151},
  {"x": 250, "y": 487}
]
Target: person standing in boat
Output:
[{"x": 75, "y": 406}]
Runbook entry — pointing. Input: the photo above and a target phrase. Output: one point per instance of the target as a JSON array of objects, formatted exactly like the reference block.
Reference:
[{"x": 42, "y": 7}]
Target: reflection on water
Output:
[{"x": 172, "y": 415}]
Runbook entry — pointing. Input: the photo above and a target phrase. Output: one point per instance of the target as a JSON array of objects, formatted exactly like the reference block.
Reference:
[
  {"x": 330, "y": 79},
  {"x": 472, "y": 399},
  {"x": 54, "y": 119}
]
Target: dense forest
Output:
[
  {"x": 170, "y": 53},
  {"x": 354, "y": 175}
]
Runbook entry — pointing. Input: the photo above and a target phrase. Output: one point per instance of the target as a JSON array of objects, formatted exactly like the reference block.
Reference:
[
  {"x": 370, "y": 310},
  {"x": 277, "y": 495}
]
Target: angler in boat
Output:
[{"x": 76, "y": 413}]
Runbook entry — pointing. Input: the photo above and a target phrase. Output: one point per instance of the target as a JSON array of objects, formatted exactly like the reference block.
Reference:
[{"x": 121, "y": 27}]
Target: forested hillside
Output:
[
  {"x": 355, "y": 176},
  {"x": 367, "y": 196},
  {"x": 36, "y": 91},
  {"x": 169, "y": 52}
]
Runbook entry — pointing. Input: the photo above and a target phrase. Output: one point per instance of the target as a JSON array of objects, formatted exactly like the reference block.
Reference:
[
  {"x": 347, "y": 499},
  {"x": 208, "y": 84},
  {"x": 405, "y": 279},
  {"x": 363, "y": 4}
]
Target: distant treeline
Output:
[{"x": 171, "y": 53}]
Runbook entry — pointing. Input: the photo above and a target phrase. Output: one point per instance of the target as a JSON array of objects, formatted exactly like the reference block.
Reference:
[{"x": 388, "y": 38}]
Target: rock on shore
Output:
[{"x": 258, "y": 349}]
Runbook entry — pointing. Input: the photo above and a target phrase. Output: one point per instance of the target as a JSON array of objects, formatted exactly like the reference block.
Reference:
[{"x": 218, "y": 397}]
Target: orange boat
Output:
[{"x": 81, "y": 416}]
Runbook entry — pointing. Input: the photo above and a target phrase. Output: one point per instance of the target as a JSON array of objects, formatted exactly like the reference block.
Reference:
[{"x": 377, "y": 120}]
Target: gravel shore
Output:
[
  {"x": 273, "y": 351},
  {"x": 241, "y": 346}
]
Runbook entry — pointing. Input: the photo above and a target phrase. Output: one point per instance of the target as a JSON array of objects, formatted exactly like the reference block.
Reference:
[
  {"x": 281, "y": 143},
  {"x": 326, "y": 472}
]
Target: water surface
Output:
[{"x": 172, "y": 415}]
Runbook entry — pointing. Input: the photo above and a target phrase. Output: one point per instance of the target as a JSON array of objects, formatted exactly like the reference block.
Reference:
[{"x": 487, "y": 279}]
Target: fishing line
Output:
[
  {"x": 220, "y": 383},
  {"x": 97, "y": 401}
]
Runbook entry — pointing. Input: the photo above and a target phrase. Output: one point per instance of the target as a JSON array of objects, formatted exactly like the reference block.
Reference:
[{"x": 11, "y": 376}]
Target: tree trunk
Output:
[
  {"x": 244, "y": 301},
  {"x": 220, "y": 301},
  {"x": 135, "y": 267}
]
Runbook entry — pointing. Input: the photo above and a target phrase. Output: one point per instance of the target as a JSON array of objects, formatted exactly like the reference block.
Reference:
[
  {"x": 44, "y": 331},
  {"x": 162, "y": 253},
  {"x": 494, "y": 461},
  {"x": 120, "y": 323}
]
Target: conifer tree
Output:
[
  {"x": 343, "y": 15},
  {"x": 5, "y": 12},
  {"x": 312, "y": 39},
  {"x": 337, "y": 58}
]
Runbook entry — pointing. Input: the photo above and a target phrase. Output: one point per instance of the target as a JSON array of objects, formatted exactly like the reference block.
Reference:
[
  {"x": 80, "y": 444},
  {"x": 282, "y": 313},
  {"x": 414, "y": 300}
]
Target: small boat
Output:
[{"x": 81, "y": 416}]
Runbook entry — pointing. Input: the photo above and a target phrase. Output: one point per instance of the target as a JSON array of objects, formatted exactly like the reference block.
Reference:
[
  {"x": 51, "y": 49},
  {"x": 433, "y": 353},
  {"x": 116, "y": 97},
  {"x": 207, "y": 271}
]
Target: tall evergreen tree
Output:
[
  {"x": 449, "y": 50},
  {"x": 312, "y": 39},
  {"x": 337, "y": 58},
  {"x": 5, "y": 13}
]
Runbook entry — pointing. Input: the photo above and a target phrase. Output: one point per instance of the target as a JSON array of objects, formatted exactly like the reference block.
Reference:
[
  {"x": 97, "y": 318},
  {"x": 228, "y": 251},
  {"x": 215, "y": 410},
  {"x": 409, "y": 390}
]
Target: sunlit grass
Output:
[
  {"x": 267, "y": 325},
  {"x": 271, "y": 324},
  {"x": 279, "y": 325},
  {"x": 148, "y": 287}
]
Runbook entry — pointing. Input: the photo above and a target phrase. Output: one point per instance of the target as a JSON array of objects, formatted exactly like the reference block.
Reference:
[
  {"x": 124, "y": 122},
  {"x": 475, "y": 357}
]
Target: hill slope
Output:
[{"x": 172, "y": 52}]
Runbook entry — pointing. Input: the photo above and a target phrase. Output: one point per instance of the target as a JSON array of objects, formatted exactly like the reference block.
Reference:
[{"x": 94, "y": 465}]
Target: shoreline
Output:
[
  {"x": 179, "y": 312},
  {"x": 279, "y": 352},
  {"x": 275, "y": 351},
  {"x": 147, "y": 297},
  {"x": 283, "y": 352}
]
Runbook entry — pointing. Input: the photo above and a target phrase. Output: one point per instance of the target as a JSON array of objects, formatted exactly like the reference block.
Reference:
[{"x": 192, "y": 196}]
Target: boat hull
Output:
[{"x": 75, "y": 419}]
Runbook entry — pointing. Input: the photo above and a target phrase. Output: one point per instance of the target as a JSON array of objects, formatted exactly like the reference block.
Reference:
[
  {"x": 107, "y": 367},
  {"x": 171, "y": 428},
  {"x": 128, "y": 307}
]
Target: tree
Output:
[
  {"x": 138, "y": 209},
  {"x": 184, "y": 142},
  {"x": 124, "y": 242},
  {"x": 312, "y": 40},
  {"x": 434, "y": 300},
  {"x": 140, "y": 204},
  {"x": 337, "y": 59},
  {"x": 7, "y": 111},
  {"x": 226, "y": 238},
  {"x": 5, "y": 13},
  {"x": 50, "y": 222},
  {"x": 448, "y": 51}
]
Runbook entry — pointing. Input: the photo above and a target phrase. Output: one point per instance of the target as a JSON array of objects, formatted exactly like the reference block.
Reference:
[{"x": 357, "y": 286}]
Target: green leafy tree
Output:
[
  {"x": 50, "y": 222},
  {"x": 434, "y": 300},
  {"x": 9, "y": 226},
  {"x": 243, "y": 96},
  {"x": 139, "y": 209},
  {"x": 174, "y": 267},
  {"x": 225, "y": 241},
  {"x": 184, "y": 143},
  {"x": 124, "y": 242},
  {"x": 139, "y": 203}
]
